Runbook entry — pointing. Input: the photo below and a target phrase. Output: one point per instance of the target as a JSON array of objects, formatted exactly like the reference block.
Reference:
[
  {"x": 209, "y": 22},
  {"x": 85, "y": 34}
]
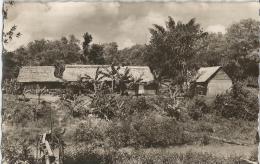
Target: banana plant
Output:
[{"x": 121, "y": 80}]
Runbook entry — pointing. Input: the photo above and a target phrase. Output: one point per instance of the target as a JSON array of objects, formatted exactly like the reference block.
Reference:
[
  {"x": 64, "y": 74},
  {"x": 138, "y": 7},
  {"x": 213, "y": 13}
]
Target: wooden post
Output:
[{"x": 37, "y": 147}]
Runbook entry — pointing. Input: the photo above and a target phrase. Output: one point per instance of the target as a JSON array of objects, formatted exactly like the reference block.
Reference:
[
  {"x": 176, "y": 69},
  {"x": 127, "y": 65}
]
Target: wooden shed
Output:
[
  {"x": 32, "y": 77},
  {"x": 74, "y": 72},
  {"x": 212, "y": 81}
]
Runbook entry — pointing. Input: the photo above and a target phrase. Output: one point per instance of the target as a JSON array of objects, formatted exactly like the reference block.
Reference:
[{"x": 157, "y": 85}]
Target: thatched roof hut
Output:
[
  {"x": 211, "y": 81},
  {"x": 74, "y": 72},
  {"x": 204, "y": 73},
  {"x": 37, "y": 74}
]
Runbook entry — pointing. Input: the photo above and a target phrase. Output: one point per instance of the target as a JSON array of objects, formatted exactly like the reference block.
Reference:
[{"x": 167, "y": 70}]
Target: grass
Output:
[
  {"x": 148, "y": 156},
  {"x": 236, "y": 130}
]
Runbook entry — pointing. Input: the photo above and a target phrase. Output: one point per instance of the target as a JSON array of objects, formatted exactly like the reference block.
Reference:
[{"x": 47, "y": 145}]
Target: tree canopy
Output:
[
  {"x": 242, "y": 43},
  {"x": 171, "y": 49},
  {"x": 174, "y": 51}
]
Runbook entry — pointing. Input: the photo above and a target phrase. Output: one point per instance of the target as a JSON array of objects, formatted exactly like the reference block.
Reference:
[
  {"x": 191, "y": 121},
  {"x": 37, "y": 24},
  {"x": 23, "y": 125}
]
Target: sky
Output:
[{"x": 125, "y": 23}]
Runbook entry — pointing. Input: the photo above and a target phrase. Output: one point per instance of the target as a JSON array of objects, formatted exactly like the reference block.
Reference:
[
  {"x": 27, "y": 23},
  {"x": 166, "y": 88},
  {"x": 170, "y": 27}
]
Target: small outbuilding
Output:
[
  {"x": 147, "y": 87},
  {"x": 32, "y": 77},
  {"x": 212, "y": 81}
]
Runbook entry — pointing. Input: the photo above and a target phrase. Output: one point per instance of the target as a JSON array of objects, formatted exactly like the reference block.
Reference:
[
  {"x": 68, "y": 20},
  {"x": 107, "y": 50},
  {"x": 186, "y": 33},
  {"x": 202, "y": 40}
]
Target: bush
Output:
[
  {"x": 251, "y": 81},
  {"x": 17, "y": 151},
  {"x": 205, "y": 139},
  {"x": 91, "y": 132},
  {"x": 205, "y": 127},
  {"x": 129, "y": 106},
  {"x": 239, "y": 103},
  {"x": 254, "y": 155},
  {"x": 167, "y": 106},
  {"x": 109, "y": 106},
  {"x": 105, "y": 106},
  {"x": 82, "y": 153},
  {"x": 195, "y": 113},
  {"x": 148, "y": 130},
  {"x": 197, "y": 107},
  {"x": 17, "y": 112}
]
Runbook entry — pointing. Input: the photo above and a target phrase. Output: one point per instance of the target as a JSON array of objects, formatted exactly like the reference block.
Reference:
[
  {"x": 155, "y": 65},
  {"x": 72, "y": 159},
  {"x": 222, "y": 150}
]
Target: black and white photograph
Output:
[{"x": 113, "y": 82}]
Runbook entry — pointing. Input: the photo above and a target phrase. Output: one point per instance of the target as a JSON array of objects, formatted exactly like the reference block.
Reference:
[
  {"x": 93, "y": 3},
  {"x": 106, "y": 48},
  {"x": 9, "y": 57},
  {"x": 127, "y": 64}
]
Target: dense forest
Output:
[{"x": 175, "y": 49}]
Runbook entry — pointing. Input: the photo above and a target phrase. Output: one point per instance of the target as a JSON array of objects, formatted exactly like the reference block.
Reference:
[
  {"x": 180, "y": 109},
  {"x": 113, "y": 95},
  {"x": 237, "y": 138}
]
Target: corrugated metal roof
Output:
[
  {"x": 37, "y": 74},
  {"x": 74, "y": 72},
  {"x": 204, "y": 73}
]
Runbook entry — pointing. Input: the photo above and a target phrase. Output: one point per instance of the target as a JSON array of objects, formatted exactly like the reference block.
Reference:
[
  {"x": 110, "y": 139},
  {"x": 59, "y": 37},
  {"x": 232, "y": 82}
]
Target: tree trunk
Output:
[{"x": 39, "y": 98}]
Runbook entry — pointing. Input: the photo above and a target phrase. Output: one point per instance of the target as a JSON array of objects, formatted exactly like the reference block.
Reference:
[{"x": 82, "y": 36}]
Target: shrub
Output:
[
  {"x": 110, "y": 106},
  {"x": 128, "y": 106},
  {"x": 17, "y": 112},
  {"x": 205, "y": 139},
  {"x": 195, "y": 113},
  {"x": 206, "y": 127},
  {"x": 254, "y": 155},
  {"x": 120, "y": 134},
  {"x": 148, "y": 130},
  {"x": 169, "y": 107},
  {"x": 105, "y": 106},
  {"x": 17, "y": 151},
  {"x": 158, "y": 130},
  {"x": 92, "y": 131},
  {"x": 145, "y": 130},
  {"x": 197, "y": 107},
  {"x": 251, "y": 81},
  {"x": 82, "y": 153},
  {"x": 239, "y": 103}
]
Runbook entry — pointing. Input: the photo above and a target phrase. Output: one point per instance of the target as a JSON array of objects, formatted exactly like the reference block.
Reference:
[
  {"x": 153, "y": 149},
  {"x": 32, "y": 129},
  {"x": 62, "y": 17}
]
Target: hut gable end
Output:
[
  {"x": 212, "y": 81},
  {"x": 221, "y": 75}
]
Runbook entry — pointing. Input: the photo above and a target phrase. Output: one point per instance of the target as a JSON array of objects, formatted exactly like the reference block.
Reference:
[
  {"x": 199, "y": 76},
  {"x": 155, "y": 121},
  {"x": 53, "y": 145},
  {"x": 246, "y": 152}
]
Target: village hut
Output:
[
  {"x": 212, "y": 81},
  {"x": 73, "y": 73},
  {"x": 33, "y": 77}
]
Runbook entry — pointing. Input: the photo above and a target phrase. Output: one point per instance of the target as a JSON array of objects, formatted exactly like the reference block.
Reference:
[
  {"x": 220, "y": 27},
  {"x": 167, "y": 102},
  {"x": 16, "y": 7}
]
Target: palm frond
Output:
[{"x": 159, "y": 28}]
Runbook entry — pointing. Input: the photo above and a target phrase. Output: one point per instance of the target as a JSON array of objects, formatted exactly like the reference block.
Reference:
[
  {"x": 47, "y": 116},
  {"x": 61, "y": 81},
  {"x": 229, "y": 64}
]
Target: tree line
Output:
[{"x": 175, "y": 51}]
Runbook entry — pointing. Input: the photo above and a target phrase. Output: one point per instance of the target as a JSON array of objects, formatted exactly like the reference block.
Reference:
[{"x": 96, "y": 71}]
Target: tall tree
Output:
[
  {"x": 133, "y": 55},
  {"x": 172, "y": 48},
  {"x": 43, "y": 52},
  {"x": 85, "y": 47},
  {"x": 96, "y": 54},
  {"x": 110, "y": 52},
  {"x": 213, "y": 51},
  {"x": 242, "y": 41},
  {"x": 10, "y": 66}
]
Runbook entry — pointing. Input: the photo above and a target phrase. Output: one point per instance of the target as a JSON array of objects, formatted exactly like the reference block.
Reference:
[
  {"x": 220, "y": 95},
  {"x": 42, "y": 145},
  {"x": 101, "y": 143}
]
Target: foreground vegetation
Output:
[
  {"x": 146, "y": 157},
  {"x": 124, "y": 129}
]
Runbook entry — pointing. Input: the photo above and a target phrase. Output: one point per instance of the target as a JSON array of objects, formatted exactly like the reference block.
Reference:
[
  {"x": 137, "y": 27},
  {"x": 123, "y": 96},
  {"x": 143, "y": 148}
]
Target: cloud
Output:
[
  {"x": 110, "y": 8},
  {"x": 124, "y": 23},
  {"x": 126, "y": 43},
  {"x": 137, "y": 28},
  {"x": 216, "y": 28}
]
